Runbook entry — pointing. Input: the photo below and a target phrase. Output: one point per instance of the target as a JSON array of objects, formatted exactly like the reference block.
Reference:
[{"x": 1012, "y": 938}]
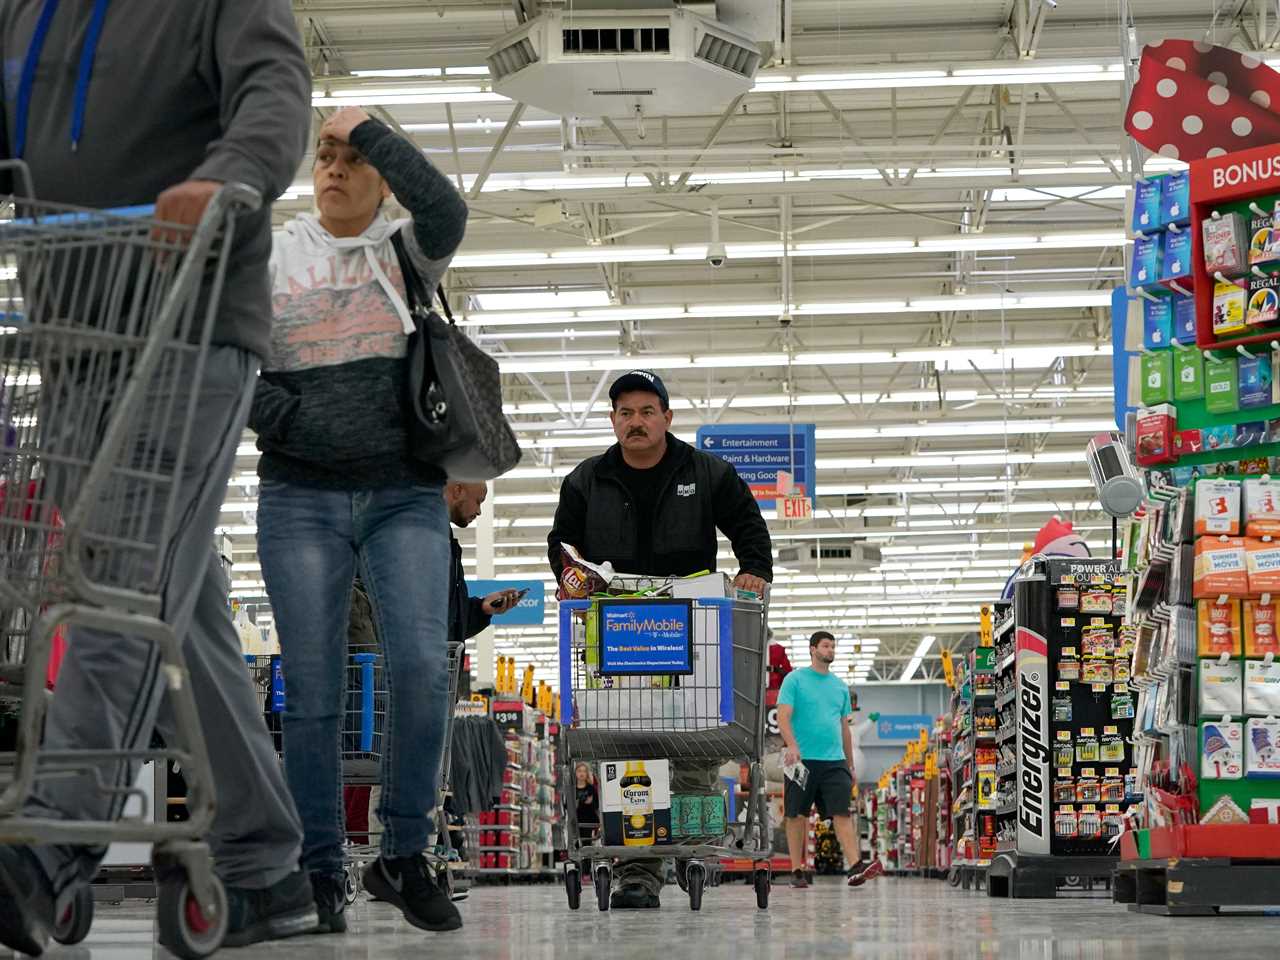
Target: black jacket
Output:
[
  {"x": 703, "y": 493},
  {"x": 466, "y": 613}
]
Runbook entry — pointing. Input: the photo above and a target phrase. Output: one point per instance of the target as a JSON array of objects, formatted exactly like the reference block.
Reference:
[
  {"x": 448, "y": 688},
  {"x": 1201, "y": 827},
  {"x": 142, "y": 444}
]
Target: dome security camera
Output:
[{"x": 716, "y": 255}]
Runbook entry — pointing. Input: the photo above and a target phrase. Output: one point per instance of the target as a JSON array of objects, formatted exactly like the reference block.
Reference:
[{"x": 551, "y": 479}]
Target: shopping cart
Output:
[
  {"x": 105, "y": 320},
  {"x": 706, "y": 715},
  {"x": 364, "y": 720}
]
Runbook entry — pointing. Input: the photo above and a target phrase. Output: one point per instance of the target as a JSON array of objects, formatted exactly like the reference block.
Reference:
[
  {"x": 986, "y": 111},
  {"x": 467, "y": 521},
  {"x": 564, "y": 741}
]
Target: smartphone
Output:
[{"x": 508, "y": 604}]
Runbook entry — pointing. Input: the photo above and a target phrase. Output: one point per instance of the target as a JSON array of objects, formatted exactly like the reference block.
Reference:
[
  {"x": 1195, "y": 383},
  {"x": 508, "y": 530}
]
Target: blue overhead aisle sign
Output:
[{"x": 759, "y": 451}]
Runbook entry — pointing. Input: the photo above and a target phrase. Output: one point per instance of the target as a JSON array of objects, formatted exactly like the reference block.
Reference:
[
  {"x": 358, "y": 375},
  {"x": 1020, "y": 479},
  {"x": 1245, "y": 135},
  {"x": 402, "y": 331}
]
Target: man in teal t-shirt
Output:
[{"x": 813, "y": 715}]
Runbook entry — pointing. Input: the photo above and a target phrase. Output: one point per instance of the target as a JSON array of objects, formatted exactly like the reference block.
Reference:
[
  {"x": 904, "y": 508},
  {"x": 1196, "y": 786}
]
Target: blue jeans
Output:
[{"x": 310, "y": 543}]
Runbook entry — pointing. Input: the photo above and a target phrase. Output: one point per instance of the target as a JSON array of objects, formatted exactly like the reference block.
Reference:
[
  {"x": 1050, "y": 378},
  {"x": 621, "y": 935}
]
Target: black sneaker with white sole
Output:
[
  {"x": 330, "y": 892},
  {"x": 284, "y": 909},
  {"x": 26, "y": 902},
  {"x": 410, "y": 884}
]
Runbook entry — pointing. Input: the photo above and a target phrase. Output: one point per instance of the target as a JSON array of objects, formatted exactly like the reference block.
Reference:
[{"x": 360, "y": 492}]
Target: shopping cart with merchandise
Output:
[
  {"x": 646, "y": 680},
  {"x": 105, "y": 321},
  {"x": 364, "y": 720}
]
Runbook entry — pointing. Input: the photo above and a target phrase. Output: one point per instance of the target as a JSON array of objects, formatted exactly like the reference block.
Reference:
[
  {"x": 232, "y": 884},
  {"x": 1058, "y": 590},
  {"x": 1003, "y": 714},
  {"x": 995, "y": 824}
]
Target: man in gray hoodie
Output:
[{"x": 123, "y": 102}]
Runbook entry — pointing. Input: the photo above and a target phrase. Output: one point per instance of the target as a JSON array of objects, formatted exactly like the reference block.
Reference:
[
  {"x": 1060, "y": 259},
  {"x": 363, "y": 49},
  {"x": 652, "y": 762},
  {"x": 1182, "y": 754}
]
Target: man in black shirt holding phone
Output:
[{"x": 469, "y": 615}]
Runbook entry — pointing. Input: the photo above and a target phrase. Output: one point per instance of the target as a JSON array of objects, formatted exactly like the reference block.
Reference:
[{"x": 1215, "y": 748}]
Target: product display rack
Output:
[
  {"x": 972, "y": 810},
  {"x": 1070, "y": 723},
  {"x": 516, "y": 840}
]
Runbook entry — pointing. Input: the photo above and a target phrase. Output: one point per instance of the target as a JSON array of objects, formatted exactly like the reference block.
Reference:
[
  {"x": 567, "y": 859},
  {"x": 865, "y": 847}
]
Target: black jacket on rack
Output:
[
  {"x": 466, "y": 613},
  {"x": 477, "y": 762}
]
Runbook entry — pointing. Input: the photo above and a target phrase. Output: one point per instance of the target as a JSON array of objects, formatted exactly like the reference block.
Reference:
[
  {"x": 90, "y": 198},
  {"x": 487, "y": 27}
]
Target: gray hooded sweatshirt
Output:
[{"x": 111, "y": 102}]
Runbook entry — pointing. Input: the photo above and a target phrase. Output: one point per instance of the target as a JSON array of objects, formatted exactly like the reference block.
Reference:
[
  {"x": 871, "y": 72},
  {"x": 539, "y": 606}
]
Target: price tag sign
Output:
[{"x": 509, "y": 715}]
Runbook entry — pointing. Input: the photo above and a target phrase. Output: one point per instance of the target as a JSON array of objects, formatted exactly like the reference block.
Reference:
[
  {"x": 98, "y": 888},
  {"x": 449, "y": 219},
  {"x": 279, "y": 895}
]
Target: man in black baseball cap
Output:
[{"x": 651, "y": 505}]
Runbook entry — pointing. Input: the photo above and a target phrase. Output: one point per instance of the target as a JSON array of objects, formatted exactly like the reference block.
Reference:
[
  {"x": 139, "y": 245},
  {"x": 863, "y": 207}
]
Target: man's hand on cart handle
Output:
[
  {"x": 184, "y": 204},
  {"x": 749, "y": 581},
  {"x": 340, "y": 123}
]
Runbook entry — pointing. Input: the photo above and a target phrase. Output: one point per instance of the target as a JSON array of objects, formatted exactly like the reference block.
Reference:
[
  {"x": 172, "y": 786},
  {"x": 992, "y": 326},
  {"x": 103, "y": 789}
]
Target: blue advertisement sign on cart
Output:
[{"x": 640, "y": 637}]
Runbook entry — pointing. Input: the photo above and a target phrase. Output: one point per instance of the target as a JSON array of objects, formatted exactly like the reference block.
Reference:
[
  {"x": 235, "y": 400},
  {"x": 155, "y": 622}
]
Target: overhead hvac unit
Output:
[
  {"x": 840, "y": 556},
  {"x": 592, "y": 62}
]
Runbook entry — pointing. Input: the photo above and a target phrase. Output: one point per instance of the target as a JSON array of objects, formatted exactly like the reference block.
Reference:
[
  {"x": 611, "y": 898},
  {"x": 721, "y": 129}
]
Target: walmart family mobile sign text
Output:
[{"x": 642, "y": 637}]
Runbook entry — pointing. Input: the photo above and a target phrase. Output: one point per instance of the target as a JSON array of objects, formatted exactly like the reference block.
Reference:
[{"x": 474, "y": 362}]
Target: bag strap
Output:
[{"x": 414, "y": 294}]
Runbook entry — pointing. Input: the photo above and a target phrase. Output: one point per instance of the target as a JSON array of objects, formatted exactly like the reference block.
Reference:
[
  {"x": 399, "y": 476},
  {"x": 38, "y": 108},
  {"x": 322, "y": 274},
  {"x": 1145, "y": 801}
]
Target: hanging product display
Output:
[{"x": 1068, "y": 725}]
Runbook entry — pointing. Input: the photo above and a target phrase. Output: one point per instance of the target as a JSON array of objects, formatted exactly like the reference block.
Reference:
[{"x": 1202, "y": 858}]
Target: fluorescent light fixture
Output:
[
  {"x": 1029, "y": 356},
  {"x": 852, "y": 247},
  {"x": 543, "y": 300}
]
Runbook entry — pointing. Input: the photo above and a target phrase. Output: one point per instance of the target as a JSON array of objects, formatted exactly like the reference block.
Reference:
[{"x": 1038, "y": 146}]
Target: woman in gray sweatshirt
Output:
[{"x": 340, "y": 494}]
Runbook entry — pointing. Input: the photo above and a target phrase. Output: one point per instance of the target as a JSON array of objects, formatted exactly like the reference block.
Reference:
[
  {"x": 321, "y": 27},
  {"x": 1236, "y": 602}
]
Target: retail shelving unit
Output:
[
  {"x": 515, "y": 841},
  {"x": 1069, "y": 715},
  {"x": 972, "y": 804}
]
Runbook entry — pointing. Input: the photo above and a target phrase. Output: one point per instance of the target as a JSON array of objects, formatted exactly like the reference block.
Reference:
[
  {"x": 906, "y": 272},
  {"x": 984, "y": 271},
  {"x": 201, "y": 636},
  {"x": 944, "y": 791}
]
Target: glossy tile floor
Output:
[{"x": 902, "y": 919}]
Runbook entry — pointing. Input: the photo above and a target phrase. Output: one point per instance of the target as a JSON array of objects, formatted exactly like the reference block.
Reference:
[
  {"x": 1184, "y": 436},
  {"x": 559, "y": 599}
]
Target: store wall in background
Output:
[{"x": 928, "y": 699}]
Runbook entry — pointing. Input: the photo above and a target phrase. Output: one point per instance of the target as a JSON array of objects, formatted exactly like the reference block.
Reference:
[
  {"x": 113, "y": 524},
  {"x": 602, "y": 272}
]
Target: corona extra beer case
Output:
[{"x": 635, "y": 802}]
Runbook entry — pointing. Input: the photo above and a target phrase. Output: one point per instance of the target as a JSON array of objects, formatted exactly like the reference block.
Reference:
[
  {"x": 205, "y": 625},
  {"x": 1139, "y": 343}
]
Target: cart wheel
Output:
[
  {"x": 603, "y": 881},
  {"x": 351, "y": 883},
  {"x": 682, "y": 874},
  {"x": 73, "y": 926},
  {"x": 185, "y": 929},
  {"x": 763, "y": 883},
  {"x": 573, "y": 885},
  {"x": 696, "y": 878},
  {"x": 715, "y": 875},
  {"x": 954, "y": 877}
]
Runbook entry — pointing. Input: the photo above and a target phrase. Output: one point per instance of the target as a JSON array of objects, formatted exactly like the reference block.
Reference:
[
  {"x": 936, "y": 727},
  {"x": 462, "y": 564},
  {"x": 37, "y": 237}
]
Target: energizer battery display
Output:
[{"x": 1066, "y": 724}]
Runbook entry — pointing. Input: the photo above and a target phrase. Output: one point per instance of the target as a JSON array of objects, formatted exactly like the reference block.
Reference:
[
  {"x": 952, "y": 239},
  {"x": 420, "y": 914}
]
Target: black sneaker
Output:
[
  {"x": 634, "y": 896},
  {"x": 330, "y": 892},
  {"x": 800, "y": 879},
  {"x": 285, "y": 909},
  {"x": 410, "y": 884},
  {"x": 26, "y": 902}
]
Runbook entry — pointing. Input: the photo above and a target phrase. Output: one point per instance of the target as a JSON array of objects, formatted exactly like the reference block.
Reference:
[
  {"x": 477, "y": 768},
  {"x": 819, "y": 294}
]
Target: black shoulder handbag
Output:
[{"x": 455, "y": 392}]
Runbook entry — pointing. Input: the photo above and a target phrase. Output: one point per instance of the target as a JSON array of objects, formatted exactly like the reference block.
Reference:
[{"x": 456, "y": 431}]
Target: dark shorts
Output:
[{"x": 830, "y": 786}]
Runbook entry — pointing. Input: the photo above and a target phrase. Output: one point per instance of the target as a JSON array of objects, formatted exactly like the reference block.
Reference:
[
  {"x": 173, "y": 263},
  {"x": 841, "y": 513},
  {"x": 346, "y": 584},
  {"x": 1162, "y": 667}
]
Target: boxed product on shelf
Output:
[
  {"x": 635, "y": 802},
  {"x": 1217, "y": 507},
  {"x": 1176, "y": 263},
  {"x": 1261, "y": 506},
  {"x": 1148, "y": 254},
  {"x": 1262, "y": 239},
  {"x": 1224, "y": 243},
  {"x": 1262, "y": 748},
  {"x": 1264, "y": 300},
  {"x": 1221, "y": 688},
  {"x": 1157, "y": 378},
  {"x": 1155, "y": 430},
  {"x": 1188, "y": 375},
  {"x": 1222, "y": 385},
  {"x": 1184, "y": 319},
  {"x": 1255, "y": 382},
  {"x": 1229, "y": 301},
  {"x": 1262, "y": 687},
  {"x": 1262, "y": 559},
  {"x": 1175, "y": 198},
  {"x": 1220, "y": 567},
  {"x": 1218, "y": 627},
  {"x": 1260, "y": 636},
  {"x": 1221, "y": 750},
  {"x": 1157, "y": 322},
  {"x": 1146, "y": 206}
]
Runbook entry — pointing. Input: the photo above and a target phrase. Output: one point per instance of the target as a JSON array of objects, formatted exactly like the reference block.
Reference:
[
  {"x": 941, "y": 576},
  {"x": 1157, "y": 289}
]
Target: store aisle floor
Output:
[{"x": 890, "y": 918}]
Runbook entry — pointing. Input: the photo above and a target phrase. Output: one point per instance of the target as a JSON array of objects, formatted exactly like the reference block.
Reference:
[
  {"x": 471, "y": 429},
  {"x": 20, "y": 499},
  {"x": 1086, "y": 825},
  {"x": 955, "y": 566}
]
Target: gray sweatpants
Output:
[
  {"x": 109, "y": 694},
  {"x": 687, "y": 776}
]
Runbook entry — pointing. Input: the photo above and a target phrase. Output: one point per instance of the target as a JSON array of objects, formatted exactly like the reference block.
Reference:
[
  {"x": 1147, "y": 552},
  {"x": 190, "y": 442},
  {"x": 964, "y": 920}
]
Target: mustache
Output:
[{"x": 638, "y": 432}]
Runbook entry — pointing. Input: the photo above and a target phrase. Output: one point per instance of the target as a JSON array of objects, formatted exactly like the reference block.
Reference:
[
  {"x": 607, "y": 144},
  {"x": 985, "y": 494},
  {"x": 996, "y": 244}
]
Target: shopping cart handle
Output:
[{"x": 366, "y": 661}]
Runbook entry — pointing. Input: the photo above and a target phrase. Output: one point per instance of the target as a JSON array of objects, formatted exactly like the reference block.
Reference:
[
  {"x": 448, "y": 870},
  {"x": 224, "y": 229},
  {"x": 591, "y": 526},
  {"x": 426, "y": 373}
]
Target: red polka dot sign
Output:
[{"x": 1194, "y": 100}]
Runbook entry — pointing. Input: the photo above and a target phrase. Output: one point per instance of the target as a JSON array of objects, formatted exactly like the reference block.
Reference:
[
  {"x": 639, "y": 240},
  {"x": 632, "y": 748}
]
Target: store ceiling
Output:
[{"x": 951, "y": 249}]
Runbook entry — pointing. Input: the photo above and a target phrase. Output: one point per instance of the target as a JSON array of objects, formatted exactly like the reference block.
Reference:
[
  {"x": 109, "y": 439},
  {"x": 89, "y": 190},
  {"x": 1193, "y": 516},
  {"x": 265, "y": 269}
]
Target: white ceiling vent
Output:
[{"x": 612, "y": 62}]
